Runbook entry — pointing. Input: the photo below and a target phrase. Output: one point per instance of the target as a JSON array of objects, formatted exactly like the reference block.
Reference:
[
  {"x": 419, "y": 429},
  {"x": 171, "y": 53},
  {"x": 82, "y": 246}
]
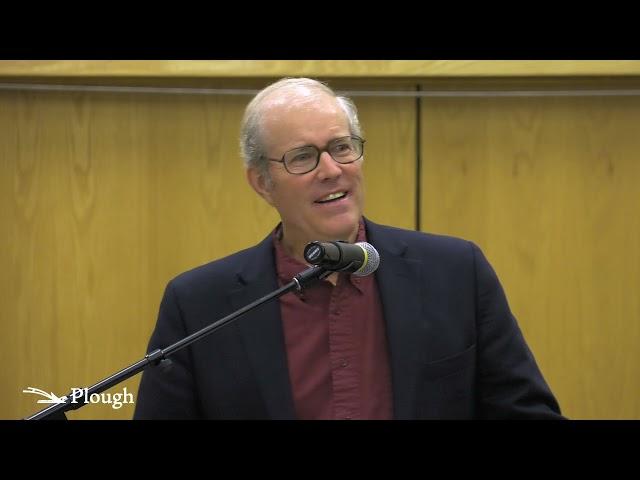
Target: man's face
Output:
[{"x": 301, "y": 200}]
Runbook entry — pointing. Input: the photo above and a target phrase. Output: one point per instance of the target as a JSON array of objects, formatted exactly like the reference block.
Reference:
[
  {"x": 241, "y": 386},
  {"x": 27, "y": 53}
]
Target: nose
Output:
[{"x": 328, "y": 168}]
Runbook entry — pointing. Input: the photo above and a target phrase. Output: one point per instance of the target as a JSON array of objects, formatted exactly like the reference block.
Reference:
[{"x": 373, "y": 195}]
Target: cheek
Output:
[
  {"x": 289, "y": 202},
  {"x": 289, "y": 197},
  {"x": 354, "y": 170},
  {"x": 357, "y": 177}
]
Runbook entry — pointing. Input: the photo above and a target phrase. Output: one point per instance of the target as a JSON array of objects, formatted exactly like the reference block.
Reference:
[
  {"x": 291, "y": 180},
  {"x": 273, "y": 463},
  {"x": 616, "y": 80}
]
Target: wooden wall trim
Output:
[{"x": 317, "y": 68}]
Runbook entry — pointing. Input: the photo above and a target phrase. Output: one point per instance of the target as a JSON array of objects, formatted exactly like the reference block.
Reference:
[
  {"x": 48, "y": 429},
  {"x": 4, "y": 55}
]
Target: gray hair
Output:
[{"x": 251, "y": 144}]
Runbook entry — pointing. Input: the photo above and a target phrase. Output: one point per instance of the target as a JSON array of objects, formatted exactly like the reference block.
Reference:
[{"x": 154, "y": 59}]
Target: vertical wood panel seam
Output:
[{"x": 418, "y": 180}]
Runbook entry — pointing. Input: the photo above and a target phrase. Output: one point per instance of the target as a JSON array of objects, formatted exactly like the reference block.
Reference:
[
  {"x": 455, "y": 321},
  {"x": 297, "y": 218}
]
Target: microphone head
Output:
[{"x": 371, "y": 260}]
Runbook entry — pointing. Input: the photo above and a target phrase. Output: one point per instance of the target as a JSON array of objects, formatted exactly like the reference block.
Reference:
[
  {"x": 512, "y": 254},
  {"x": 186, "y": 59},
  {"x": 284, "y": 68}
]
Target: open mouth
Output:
[{"x": 332, "y": 197}]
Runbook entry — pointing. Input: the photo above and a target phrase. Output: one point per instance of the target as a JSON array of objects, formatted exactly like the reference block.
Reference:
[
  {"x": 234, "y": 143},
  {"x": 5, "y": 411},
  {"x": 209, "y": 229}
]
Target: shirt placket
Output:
[{"x": 346, "y": 402}]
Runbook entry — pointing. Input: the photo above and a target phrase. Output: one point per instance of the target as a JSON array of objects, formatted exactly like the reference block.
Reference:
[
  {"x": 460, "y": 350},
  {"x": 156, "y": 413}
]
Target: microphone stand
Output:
[{"x": 159, "y": 357}]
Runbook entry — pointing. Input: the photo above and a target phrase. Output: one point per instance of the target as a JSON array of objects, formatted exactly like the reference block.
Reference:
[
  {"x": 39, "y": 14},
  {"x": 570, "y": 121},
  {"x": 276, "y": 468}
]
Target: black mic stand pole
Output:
[{"x": 159, "y": 356}]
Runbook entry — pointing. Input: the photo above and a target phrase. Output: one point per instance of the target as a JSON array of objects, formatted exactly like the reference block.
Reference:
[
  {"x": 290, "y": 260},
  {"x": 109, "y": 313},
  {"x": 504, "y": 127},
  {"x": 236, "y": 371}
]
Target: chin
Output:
[{"x": 340, "y": 228}]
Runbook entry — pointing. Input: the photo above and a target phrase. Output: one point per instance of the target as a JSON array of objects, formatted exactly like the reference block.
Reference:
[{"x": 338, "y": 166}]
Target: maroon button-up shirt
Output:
[{"x": 336, "y": 344}]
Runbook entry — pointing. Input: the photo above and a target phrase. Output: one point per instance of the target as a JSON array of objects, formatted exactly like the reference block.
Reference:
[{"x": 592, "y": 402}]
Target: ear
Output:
[{"x": 259, "y": 184}]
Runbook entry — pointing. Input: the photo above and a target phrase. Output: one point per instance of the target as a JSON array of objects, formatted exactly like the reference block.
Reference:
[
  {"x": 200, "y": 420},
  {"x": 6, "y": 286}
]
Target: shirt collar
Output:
[{"x": 287, "y": 266}]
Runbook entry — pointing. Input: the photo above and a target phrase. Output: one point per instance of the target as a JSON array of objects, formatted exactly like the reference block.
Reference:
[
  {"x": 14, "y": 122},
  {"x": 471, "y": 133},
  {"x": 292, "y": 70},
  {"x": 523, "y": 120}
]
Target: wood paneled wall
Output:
[{"x": 104, "y": 197}]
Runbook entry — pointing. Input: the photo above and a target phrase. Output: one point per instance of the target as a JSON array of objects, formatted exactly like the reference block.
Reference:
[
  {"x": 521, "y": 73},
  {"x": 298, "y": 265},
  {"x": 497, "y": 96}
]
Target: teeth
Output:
[{"x": 332, "y": 196}]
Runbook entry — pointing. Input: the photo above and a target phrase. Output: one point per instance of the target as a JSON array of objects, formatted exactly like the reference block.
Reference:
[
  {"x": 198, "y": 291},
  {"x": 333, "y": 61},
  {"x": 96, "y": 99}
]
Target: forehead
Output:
[{"x": 293, "y": 117}]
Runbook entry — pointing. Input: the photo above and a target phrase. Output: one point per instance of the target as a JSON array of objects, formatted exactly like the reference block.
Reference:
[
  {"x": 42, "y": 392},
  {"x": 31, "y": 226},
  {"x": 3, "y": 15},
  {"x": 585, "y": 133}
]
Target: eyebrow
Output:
[{"x": 315, "y": 146}]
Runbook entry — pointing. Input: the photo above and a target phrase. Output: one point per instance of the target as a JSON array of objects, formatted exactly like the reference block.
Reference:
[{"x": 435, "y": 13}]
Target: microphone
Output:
[{"x": 360, "y": 258}]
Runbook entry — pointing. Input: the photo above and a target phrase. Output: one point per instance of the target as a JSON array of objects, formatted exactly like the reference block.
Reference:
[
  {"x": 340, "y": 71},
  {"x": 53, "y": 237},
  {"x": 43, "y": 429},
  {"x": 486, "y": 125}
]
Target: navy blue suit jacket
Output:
[{"x": 456, "y": 350}]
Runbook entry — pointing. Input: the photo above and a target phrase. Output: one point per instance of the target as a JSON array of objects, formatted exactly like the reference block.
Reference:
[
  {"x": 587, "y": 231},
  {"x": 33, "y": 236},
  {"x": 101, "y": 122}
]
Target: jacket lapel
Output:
[
  {"x": 399, "y": 282},
  {"x": 262, "y": 330}
]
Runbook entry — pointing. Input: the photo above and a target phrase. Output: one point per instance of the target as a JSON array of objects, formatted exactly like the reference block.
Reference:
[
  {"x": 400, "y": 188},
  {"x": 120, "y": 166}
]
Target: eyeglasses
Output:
[{"x": 302, "y": 160}]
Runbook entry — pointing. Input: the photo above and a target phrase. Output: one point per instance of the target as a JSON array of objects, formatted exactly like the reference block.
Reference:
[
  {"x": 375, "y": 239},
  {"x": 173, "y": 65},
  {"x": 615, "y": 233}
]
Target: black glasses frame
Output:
[{"x": 320, "y": 152}]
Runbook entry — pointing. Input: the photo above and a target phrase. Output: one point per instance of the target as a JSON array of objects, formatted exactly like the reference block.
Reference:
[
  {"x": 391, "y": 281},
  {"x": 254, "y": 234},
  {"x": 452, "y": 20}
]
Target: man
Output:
[{"x": 429, "y": 335}]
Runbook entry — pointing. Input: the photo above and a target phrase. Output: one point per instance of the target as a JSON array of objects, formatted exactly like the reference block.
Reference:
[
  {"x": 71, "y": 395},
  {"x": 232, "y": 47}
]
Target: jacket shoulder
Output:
[
  {"x": 215, "y": 274},
  {"x": 427, "y": 243}
]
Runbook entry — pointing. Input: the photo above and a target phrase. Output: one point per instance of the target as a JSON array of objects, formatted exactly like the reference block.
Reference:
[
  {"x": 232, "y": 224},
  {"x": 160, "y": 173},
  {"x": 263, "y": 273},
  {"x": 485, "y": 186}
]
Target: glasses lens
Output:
[
  {"x": 342, "y": 150},
  {"x": 346, "y": 150},
  {"x": 301, "y": 160}
]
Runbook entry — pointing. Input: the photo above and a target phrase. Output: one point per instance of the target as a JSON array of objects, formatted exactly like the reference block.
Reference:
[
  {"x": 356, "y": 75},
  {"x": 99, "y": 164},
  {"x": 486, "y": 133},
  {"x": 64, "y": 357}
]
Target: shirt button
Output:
[{"x": 344, "y": 363}]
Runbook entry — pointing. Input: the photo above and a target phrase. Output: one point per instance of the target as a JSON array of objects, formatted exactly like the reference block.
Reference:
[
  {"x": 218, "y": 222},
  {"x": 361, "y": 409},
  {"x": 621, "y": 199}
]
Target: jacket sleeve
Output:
[
  {"x": 167, "y": 391},
  {"x": 510, "y": 384}
]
